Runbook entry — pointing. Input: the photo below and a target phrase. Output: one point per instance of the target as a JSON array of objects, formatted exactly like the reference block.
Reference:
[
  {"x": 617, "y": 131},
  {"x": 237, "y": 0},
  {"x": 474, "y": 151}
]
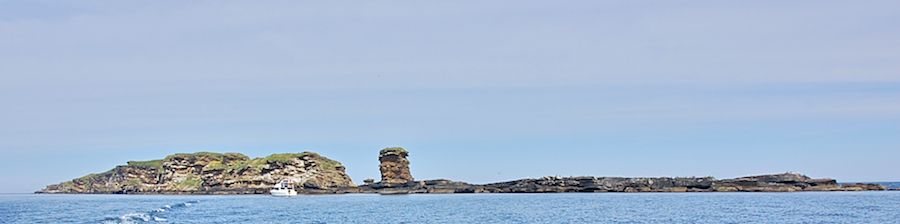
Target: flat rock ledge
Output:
[{"x": 788, "y": 182}]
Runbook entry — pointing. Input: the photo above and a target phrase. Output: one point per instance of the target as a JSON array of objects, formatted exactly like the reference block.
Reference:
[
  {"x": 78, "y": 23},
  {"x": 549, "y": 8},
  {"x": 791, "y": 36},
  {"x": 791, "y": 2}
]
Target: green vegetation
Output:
[
  {"x": 328, "y": 165},
  {"x": 394, "y": 149},
  {"x": 190, "y": 181},
  {"x": 287, "y": 157},
  {"x": 87, "y": 177},
  {"x": 211, "y": 155},
  {"x": 214, "y": 165},
  {"x": 133, "y": 183},
  {"x": 90, "y": 177},
  {"x": 258, "y": 163},
  {"x": 324, "y": 163},
  {"x": 237, "y": 166},
  {"x": 157, "y": 164},
  {"x": 236, "y": 156},
  {"x": 227, "y": 162}
]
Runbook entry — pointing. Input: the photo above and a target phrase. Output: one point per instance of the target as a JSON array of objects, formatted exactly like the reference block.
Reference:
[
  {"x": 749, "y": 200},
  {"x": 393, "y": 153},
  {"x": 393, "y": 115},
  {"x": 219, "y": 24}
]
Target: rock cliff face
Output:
[
  {"x": 394, "y": 165},
  {"x": 211, "y": 173}
]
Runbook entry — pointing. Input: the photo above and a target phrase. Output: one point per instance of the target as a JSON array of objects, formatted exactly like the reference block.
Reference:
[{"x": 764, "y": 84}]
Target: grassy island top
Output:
[
  {"x": 210, "y": 155},
  {"x": 233, "y": 161},
  {"x": 393, "y": 149},
  {"x": 286, "y": 157}
]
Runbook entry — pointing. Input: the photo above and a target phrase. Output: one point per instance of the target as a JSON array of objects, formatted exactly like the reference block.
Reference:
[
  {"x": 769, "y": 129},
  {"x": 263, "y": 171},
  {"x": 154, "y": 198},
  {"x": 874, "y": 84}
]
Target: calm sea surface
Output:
[{"x": 801, "y": 207}]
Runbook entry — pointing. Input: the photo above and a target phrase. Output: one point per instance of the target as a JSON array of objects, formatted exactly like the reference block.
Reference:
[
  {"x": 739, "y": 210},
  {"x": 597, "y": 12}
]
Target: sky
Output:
[{"x": 477, "y": 91}]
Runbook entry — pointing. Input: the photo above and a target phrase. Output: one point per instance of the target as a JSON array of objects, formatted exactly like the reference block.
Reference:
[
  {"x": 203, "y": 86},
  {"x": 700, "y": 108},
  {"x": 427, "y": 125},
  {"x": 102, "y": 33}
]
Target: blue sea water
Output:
[
  {"x": 889, "y": 185},
  {"x": 797, "y": 207}
]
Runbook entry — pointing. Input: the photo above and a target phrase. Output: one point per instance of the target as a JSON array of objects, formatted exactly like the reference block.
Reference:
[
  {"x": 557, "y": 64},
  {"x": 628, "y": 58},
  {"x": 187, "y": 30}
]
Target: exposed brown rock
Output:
[
  {"x": 394, "y": 165},
  {"x": 863, "y": 187},
  {"x": 211, "y": 173}
]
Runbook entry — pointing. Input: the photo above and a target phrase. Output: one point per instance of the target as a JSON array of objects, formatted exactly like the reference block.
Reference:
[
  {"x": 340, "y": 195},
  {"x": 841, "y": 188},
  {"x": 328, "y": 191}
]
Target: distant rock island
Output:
[{"x": 235, "y": 173}]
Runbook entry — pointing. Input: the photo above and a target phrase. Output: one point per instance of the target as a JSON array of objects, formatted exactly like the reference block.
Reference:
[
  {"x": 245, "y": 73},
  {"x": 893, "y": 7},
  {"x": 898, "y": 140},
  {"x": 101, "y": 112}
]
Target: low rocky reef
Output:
[
  {"x": 234, "y": 173},
  {"x": 786, "y": 182}
]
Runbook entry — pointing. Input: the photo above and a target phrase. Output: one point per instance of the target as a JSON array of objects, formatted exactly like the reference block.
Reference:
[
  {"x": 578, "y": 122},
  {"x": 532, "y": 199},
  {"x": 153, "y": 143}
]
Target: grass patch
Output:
[
  {"x": 190, "y": 181},
  {"x": 214, "y": 165},
  {"x": 236, "y": 156},
  {"x": 287, "y": 157},
  {"x": 329, "y": 165},
  {"x": 152, "y": 164},
  {"x": 212, "y": 155},
  {"x": 133, "y": 183},
  {"x": 91, "y": 177},
  {"x": 87, "y": 177},
  {"x": 325, "y": 164},
  {"x": 393, "y": 149},
  {"x": 257, "y": 164},
  {"x": 237, "y": 166}
]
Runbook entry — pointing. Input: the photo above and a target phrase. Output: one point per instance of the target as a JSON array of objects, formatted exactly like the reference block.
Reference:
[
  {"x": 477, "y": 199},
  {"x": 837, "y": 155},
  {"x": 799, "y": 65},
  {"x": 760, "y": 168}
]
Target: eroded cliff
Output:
[{"x": 211, "y": 173}]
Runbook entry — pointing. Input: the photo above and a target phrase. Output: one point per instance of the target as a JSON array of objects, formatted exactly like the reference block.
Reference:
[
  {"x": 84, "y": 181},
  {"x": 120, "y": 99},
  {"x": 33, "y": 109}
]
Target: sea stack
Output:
[{"x": 394, "y": 165}]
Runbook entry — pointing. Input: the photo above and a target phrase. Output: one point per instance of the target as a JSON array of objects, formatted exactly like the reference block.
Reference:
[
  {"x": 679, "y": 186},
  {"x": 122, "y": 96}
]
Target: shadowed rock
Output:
[{"x": 863, "y": 187}]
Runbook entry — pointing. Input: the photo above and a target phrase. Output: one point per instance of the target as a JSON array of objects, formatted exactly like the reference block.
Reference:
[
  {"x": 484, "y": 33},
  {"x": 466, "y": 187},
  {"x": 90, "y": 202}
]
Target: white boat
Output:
[{"x": 283, "y": 188}]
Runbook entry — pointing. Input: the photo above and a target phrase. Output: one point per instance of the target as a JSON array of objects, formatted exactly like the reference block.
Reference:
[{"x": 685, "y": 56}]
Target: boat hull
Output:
[{"x": 283, "y": 193}]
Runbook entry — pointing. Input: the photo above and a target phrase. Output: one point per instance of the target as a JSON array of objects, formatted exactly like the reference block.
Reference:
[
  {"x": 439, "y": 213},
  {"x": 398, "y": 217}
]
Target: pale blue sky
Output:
[{"x": 477, "y": 91}]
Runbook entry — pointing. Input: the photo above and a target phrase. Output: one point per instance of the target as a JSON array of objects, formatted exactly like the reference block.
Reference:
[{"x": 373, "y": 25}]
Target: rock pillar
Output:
[{"x": 394, "y": 166}]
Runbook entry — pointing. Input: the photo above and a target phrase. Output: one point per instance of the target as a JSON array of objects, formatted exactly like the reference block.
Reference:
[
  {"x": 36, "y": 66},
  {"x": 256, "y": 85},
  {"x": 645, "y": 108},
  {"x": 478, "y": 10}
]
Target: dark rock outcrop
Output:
[
  {"x": 787, "y": 182},
  {"x": 863, "y": 187},
  {"x": 394, "y": 165},
  {"x": 211, "y": 173}
]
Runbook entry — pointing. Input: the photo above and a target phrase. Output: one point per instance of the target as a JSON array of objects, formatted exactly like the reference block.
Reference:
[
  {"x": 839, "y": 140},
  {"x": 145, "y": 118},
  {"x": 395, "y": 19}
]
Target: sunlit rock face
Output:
[
  {"x": 212, "y": 173},
  {"x": 394, "y": 165}
]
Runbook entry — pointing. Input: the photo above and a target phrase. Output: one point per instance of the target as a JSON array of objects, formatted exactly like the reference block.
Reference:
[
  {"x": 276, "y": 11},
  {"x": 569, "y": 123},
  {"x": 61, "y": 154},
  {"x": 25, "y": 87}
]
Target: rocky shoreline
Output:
[{"x": 233, "y": 173}]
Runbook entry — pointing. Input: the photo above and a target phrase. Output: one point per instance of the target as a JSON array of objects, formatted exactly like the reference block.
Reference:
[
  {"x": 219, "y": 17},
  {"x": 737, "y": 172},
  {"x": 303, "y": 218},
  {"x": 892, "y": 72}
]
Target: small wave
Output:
[
  {"x": 146, "y": 217},
  {"x": 128, "y": 218}
]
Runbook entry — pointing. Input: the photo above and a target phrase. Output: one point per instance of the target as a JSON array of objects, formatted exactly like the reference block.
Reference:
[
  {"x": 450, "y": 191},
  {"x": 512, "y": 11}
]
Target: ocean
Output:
[{"x": 732, "y": 207}]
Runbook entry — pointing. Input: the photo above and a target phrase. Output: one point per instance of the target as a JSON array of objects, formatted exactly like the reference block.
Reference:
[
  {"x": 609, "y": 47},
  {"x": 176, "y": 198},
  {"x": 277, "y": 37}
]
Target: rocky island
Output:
[
  {"x": 210, "y": 173},
  {"x": 235, "y": 173}
]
